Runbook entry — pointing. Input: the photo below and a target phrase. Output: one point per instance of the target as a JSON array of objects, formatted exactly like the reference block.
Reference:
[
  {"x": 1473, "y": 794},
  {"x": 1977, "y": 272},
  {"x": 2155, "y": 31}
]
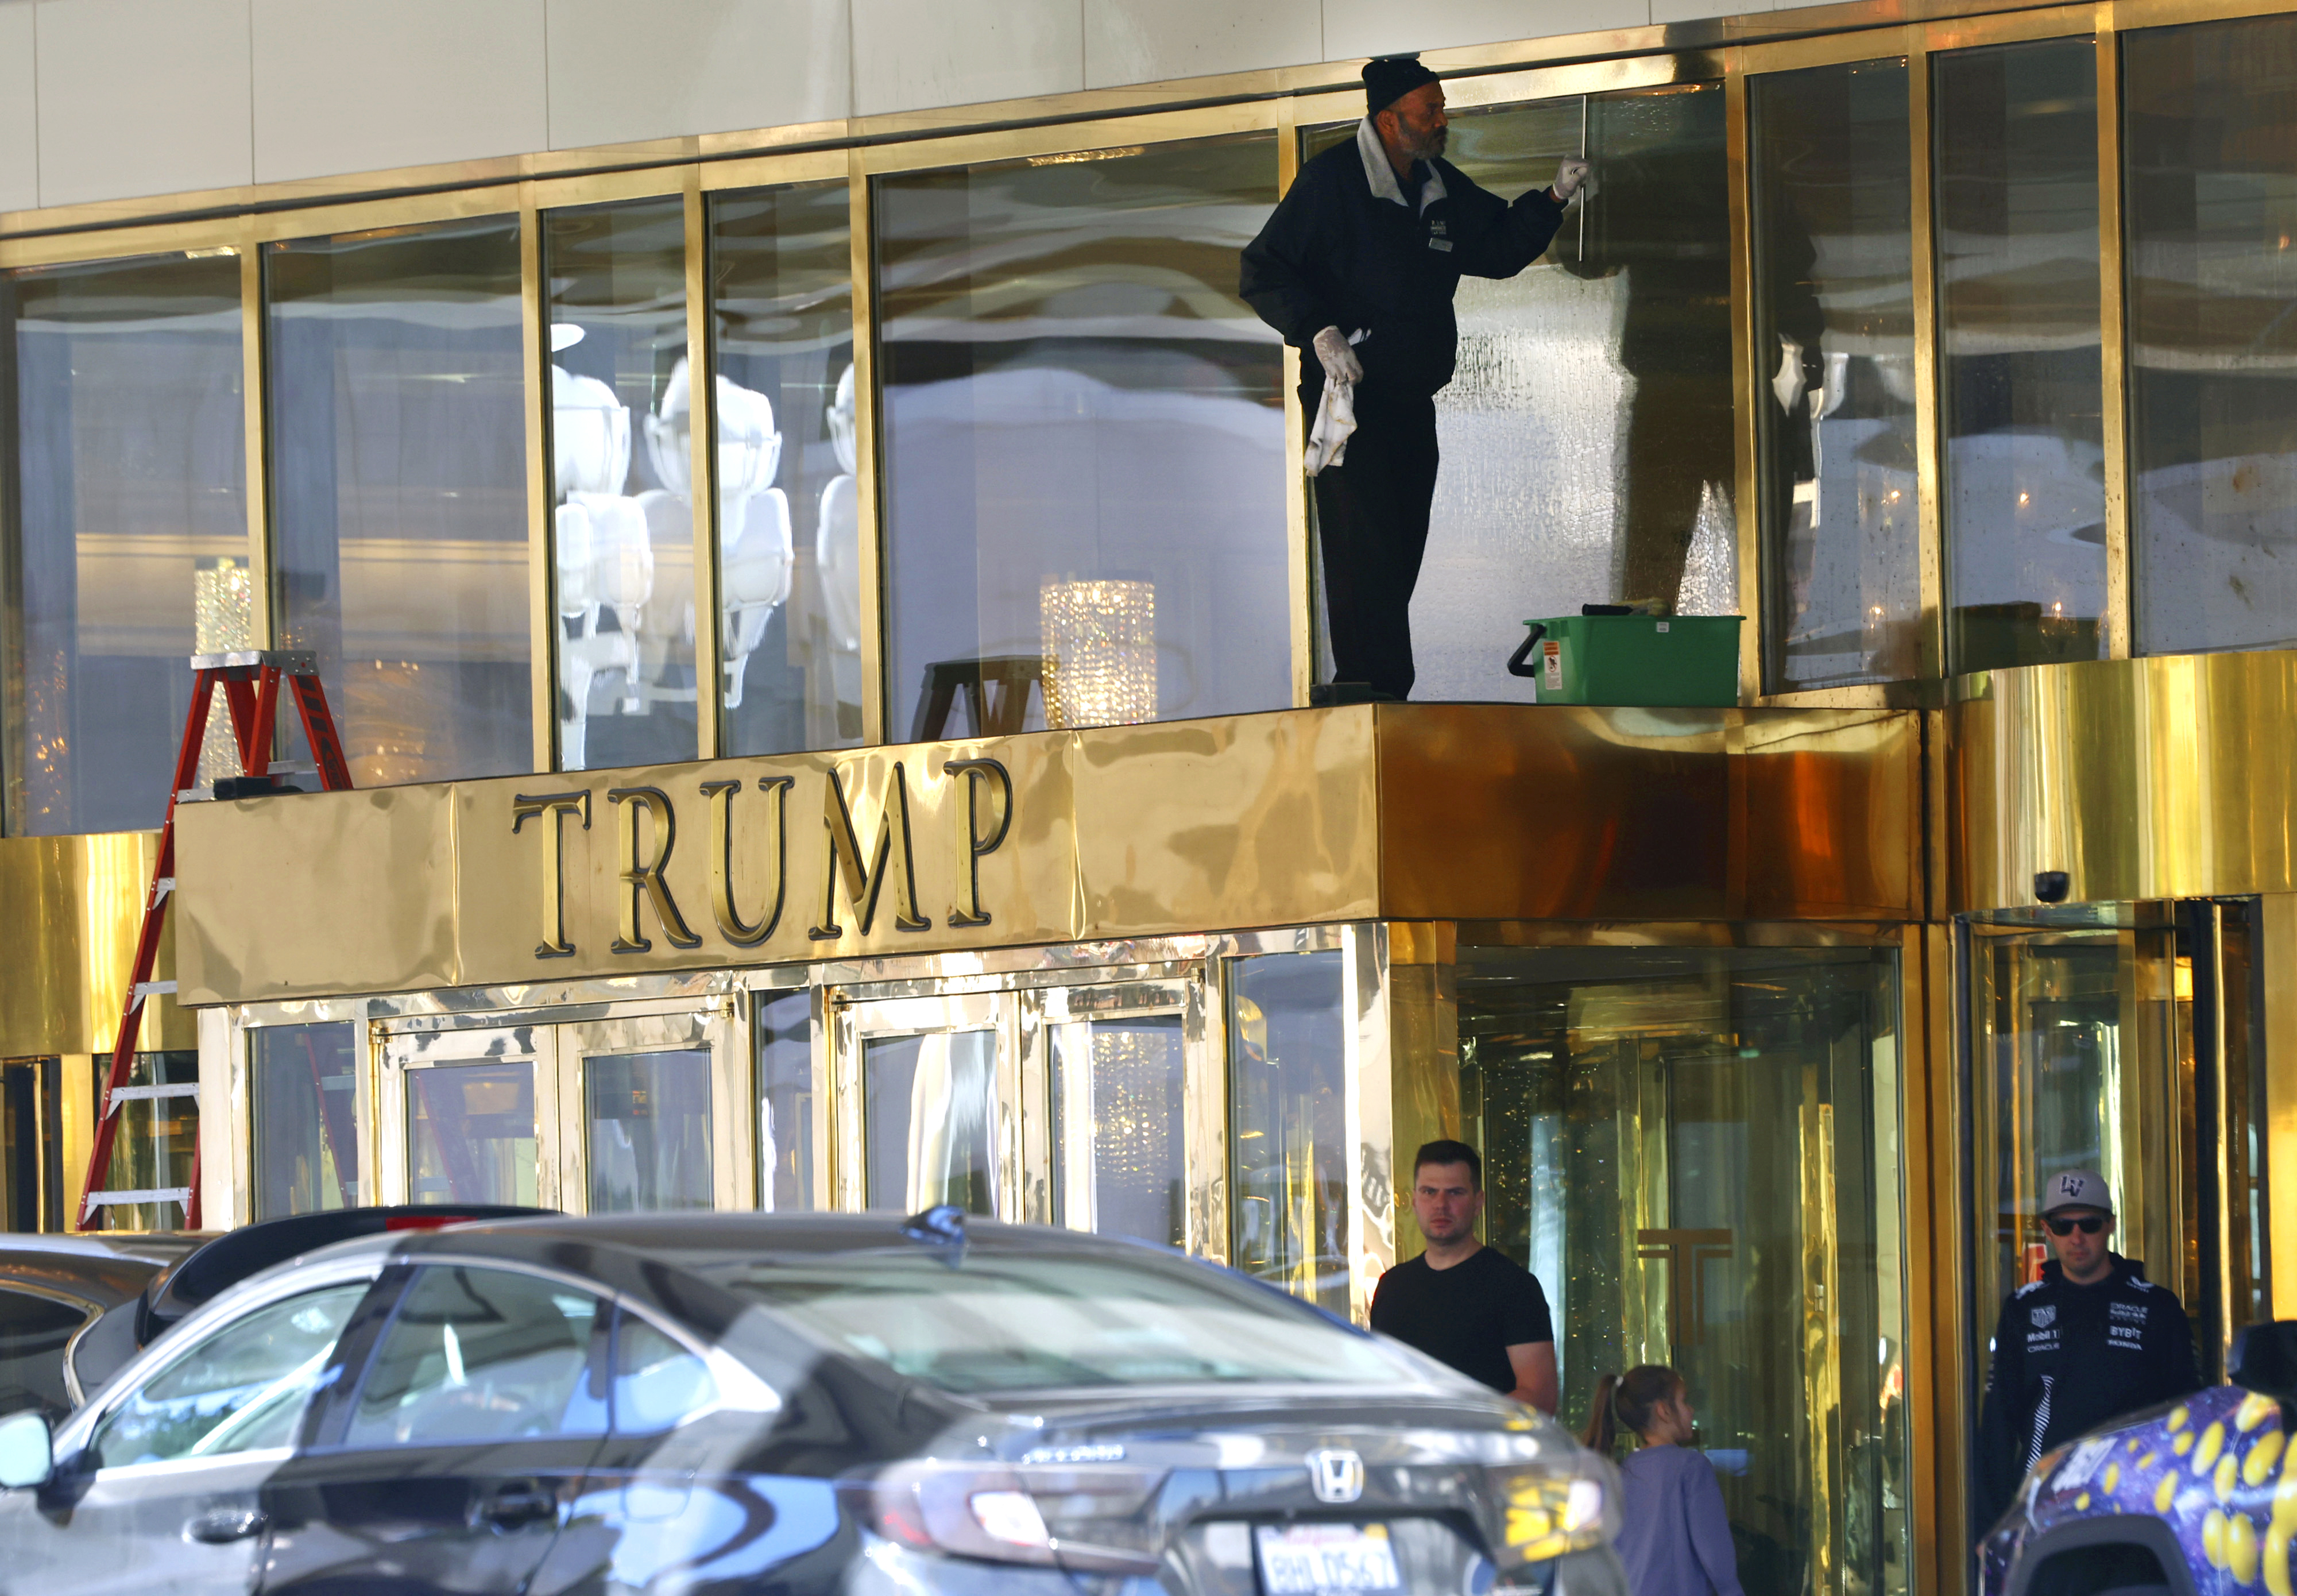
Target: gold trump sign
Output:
[
  {"x": 1471, "y": 812},
  {"x": 1046, "y": 837},
  {"x": 644, "y": 841}
]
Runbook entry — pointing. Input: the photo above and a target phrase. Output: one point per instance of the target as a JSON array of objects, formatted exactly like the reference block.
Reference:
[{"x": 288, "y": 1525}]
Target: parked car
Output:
[
  {"x": 799, "y": 1403},
  {"x": 2194, "y": 1498},
  {"x": 67, "y": 1307},
  {"x": 74, "y": 1309}
]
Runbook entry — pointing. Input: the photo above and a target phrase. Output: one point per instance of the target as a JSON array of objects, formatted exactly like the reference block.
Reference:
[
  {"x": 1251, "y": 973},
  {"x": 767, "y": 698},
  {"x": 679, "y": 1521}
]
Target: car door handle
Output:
[
  {"x": 224, "y": 1526},
  {"x": 516, "y": 1504}
]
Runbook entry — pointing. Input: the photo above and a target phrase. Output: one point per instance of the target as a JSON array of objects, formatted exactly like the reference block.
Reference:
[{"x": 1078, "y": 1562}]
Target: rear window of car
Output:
[{"x": 1005, "y": 1322}]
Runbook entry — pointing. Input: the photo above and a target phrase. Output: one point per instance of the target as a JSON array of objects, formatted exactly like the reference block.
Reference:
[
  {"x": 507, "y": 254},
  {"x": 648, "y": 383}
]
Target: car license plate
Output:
[{"x": 1318, "y": 1559}]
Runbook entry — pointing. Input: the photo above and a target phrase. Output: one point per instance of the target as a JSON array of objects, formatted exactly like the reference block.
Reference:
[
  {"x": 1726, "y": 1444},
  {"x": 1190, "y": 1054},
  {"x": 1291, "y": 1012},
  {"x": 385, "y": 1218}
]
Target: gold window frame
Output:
[{"x": 1283, "y": 100}]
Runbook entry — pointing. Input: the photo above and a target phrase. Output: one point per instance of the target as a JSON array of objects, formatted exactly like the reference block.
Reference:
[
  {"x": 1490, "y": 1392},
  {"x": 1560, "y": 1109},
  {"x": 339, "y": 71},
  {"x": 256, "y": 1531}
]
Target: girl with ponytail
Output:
[{"x": 1674, "y": 1536}]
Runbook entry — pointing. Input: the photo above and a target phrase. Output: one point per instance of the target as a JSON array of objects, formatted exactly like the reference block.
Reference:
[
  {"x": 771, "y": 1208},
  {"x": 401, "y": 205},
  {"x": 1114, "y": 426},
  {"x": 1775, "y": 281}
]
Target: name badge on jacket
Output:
[{"x": 1439, "y": 244}]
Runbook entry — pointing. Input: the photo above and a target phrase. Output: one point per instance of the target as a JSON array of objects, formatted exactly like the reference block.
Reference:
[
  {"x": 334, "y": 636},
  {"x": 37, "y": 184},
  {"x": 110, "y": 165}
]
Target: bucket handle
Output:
[{"x": 1516, "y": 666}]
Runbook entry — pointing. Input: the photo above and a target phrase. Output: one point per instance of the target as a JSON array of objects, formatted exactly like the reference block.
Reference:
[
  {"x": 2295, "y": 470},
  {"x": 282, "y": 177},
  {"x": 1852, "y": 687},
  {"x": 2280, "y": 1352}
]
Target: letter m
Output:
[{"x": 864, "y": 881}]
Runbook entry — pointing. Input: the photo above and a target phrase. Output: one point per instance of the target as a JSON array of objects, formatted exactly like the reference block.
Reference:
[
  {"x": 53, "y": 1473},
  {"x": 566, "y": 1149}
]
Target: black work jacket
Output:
[
  {"x": 1335, "y": 254},
  {"x": 2069, "y": 1358}
]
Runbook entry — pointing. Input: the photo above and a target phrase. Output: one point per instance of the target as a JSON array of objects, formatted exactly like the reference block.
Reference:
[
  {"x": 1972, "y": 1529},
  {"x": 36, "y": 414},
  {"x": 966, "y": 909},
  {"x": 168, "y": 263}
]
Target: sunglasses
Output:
[{"x": 2088, "y": 1224}]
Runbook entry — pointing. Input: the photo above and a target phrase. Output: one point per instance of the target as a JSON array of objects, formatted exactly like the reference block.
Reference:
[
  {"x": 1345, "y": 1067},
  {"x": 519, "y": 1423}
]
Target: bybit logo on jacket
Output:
[{"x": 1337, "y": 1474}]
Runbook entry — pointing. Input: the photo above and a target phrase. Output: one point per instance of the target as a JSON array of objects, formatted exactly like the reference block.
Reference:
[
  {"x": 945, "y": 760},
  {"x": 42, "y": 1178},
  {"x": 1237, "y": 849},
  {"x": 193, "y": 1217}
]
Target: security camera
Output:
[{"x": 2050, "y": 885}]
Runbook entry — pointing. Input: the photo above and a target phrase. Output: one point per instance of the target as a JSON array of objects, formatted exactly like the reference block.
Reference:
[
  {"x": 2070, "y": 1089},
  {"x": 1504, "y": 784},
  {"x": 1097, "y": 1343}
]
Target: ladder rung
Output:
[
  {"x": 165, "y": 1194},
  {"x": 160, "y": 889},
  {"x": 134, "y": 1094},
  {"x": 153, "y": 989},
  {"x": 292, "y": 661},
  {"x": 193, "y": 795}
]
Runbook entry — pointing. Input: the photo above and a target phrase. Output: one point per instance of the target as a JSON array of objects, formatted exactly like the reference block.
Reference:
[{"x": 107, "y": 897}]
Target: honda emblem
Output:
[{"x": 1338, "y": 1474}]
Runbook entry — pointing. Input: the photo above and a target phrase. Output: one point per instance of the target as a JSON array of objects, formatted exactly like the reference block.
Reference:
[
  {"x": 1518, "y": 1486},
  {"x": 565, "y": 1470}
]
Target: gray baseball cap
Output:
[{"x": 2077, "y": 1189}]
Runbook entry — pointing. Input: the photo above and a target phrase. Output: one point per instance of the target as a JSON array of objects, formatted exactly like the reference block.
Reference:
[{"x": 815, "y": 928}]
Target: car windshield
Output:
[{"x": 1010, "y": 1322}]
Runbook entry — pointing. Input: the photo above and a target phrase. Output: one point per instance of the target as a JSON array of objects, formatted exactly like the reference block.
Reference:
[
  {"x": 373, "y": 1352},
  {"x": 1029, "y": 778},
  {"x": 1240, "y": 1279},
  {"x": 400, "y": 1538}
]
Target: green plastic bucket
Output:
[{"x": 1654, "y": 661}]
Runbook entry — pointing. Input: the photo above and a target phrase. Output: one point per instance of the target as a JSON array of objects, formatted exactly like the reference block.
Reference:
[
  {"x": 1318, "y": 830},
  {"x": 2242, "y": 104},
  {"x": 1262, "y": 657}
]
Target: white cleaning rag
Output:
[{"x": 1336, "y": 418}]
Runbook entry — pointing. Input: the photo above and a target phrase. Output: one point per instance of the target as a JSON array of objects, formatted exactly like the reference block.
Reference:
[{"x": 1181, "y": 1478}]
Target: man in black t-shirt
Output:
[{"x": 1460, "y": 1302}]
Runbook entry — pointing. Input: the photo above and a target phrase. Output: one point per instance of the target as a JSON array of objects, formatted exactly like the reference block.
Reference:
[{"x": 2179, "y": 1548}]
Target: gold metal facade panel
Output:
[
  {"x": 332, "y": 892},
  {"x": 1493, "y": 814},
  {"x": 2162, "y": 777},
  {"x": 1209, "y": 824},
  {"x": 75, "y": 907}
]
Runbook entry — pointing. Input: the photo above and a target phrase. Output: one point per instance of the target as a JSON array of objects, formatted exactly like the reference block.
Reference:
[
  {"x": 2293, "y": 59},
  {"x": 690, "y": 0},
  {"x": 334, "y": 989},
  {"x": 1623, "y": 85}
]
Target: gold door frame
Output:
[
  {"x": 733, "y": 1118},
  {"x": 857, "y": 1020},
  {"x": 448, "y": 1048},
  {"x": 1073, "y": 1010}
]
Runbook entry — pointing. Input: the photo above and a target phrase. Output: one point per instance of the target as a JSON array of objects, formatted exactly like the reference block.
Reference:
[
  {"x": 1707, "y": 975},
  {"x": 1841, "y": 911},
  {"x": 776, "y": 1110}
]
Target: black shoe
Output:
[{"x": 1331, "y": 694}]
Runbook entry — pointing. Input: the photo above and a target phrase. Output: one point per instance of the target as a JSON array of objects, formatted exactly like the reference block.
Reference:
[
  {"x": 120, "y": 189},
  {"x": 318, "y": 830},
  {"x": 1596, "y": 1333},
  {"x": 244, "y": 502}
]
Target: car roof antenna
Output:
[{"x": 942, "y": 1226}]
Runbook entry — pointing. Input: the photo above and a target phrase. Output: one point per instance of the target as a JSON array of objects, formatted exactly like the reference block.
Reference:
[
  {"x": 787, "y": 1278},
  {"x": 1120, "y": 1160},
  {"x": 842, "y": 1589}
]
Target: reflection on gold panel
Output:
[
  {"x": 74, "y": 906},
  {"x": 1488, "y": 813},
  {"x": 2140, "y": 778}
]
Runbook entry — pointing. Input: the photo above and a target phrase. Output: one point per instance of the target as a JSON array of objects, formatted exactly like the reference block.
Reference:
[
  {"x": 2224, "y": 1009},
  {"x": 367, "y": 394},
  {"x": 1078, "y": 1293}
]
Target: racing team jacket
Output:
[{"x": 2069, "y": 1358}]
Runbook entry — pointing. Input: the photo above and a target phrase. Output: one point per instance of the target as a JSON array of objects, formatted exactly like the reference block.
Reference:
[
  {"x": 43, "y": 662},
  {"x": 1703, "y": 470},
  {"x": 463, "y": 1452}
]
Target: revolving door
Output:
[{"x": 2124, "y": 1039}]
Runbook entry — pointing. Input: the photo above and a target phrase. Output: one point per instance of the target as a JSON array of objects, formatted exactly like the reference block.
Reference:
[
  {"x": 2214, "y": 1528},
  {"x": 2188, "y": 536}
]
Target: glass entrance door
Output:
[
  {"x": 1121, "y": 1058},
  {"x": 467, "y": 1117},
  {"x": 2124, "y": 1049},
  {"x": 653, "y": 1113},
  {"x": 929, "y": 1104}
]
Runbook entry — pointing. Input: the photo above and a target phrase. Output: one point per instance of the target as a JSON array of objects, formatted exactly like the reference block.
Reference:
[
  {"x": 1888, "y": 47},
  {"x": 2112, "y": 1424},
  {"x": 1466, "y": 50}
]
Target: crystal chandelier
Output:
[{"x": 1101, "y": 651}]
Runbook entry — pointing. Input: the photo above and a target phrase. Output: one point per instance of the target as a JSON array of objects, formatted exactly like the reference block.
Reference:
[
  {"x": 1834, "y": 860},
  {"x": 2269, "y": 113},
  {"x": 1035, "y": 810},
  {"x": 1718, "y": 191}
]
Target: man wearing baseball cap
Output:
[
  {"x": 1356, "y": 270},
  {"x": 2089, "y": 1341}
]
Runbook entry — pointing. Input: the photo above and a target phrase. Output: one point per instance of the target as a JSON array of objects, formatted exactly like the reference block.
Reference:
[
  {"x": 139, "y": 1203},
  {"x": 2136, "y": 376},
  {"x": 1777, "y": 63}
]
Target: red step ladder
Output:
[{"x": 250, "y": 682}]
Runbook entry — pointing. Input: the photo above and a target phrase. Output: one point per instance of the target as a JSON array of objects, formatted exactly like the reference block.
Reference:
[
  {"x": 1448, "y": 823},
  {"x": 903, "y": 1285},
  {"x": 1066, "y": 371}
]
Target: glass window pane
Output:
[
  {"x": 623, "y": 462},
  {"x": 1697, "y": 1152},
  {"x": 784, "y": 1044},
  {"x": 241, "y": 1389},
  {"x": 34, "y": 1332},
  {"x": 928, "y": 1111},
  {"x": 304, "y": 1083},
  {"x": 1835, "y": 368},
  {"x": 1083, "y": 441},
  {"x": 484, "y": 1354},
  {"x": 2023, "y": 408},
  {"x": 1287, "y": 1065},
  {"x": 399, "y": 490},
  {"x": 158, "y": 1138},
  {"x": 2210, "y": 116},
  {"x": 789, "y": 533},
  {"x": 471, "y": 1133},
  {"x": 1121, "y": 1139},
  {"x": 1614, "y": 349},
  {"x": 125, "y": 532},
  {"x": 649, "y": 1130},
  {"x": 657, "y": 1382}
]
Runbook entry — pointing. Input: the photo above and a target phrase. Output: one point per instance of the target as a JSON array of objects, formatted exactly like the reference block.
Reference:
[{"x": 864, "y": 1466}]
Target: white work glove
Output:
[
  {"x": 1339, "y": 361},
  {"x": 1568, "y": 179}
]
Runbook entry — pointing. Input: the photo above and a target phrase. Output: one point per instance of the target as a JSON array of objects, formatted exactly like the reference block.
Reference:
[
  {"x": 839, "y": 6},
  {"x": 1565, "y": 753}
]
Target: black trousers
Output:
[{"x": 1372, "y": 525}]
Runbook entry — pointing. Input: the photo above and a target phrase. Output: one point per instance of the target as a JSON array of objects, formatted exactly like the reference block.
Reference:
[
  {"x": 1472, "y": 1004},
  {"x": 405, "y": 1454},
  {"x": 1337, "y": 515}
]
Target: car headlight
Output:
[{"x": 1544, "y": 1514}]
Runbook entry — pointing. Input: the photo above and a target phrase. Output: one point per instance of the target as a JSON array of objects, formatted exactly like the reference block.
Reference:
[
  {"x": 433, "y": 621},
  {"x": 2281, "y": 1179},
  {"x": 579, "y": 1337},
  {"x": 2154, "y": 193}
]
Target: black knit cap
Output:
[{"x": 1389, "y": 78}]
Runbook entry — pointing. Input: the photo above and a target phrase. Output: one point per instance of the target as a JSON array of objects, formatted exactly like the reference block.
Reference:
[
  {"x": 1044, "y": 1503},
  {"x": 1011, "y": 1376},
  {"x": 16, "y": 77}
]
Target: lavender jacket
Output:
[{"x": 1675, "y": 1539}]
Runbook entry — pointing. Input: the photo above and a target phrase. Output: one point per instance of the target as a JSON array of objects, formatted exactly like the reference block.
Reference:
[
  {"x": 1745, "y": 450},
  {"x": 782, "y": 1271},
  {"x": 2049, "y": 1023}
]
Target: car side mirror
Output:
[
  {"x": 27, "y": 1451},
  {"x": 2264, "y": 1360}
]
